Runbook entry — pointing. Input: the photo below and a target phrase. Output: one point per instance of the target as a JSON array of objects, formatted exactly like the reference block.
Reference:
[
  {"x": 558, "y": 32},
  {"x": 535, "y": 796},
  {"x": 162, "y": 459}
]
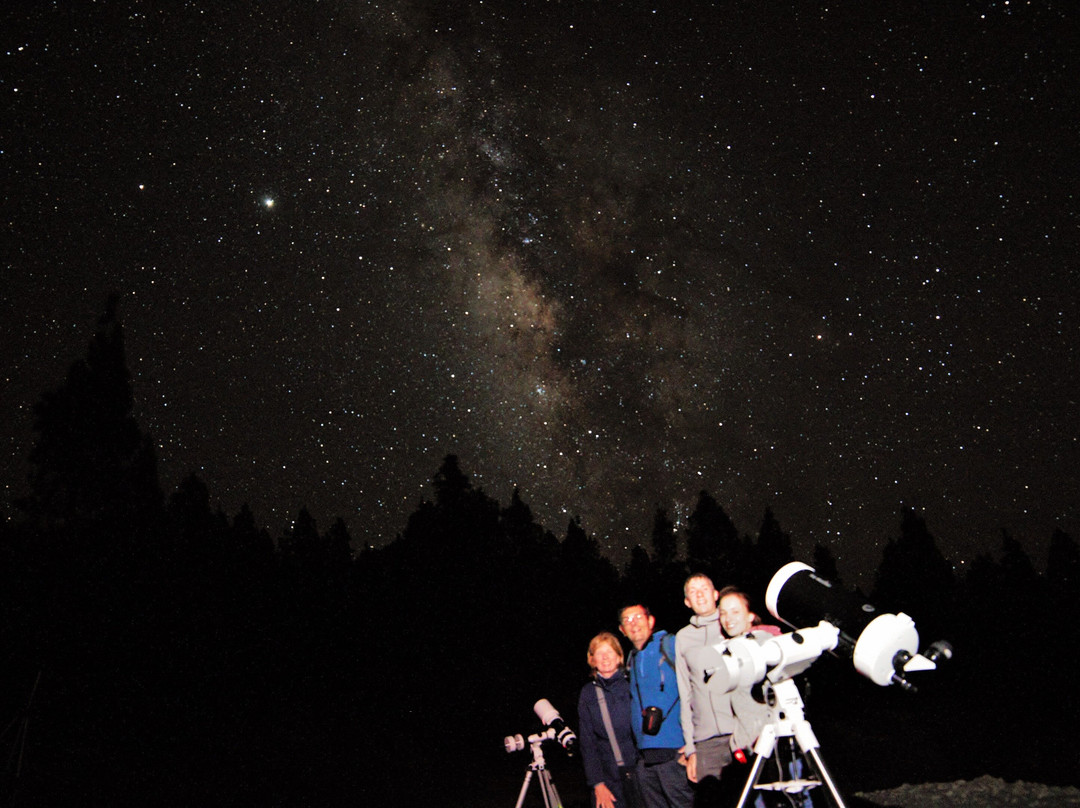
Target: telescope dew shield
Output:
[
  {"x": 551, "y": 718},
  {"x": 546, "y": 712},
  {"x": 798, "y": 597}
]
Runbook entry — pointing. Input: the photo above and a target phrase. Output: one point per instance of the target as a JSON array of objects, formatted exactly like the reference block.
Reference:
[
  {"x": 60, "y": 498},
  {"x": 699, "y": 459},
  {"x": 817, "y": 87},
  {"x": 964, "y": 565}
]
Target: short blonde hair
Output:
[
  {"x": 595, "y": 642},
  {"x": 696, "y": 576}
]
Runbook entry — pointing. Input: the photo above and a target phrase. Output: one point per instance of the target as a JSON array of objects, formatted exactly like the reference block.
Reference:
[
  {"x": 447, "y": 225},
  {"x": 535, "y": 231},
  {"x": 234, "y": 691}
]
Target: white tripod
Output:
[
  {"x": 516, "y": 743},
  {"x": 788, "y": 721}
]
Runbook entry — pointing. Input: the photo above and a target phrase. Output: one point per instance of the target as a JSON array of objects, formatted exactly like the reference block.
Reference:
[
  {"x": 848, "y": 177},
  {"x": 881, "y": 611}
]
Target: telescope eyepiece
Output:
[{"x": 939, "y": 651}]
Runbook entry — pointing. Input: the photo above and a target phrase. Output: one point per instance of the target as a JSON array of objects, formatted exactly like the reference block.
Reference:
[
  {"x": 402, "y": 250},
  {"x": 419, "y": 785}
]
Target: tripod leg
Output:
[
  {"x": 547, "y": 786},
  {"x": 524, "y": 788},
  {"x": 823, "y": 774},
  {"x": 751, "y": 780}
]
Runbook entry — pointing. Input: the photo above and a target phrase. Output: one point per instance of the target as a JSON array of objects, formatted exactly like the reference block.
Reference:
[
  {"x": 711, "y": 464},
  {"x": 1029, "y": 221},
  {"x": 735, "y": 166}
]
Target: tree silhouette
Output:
[
  {"x": 525, "y": 557},
  {"x": 712, "y": 542},
  {"x": 450, "y": 483},
  {"x": 517, "y": 517},
  {"x": 461, "y": 519},
  {"x": 914, "y": 577},
  {"x": 200, "y": 540},
  {"x": 771, "y": 552},
  {"x": 316, "y": 571},
  {"x": 252, "y": 549},
  {"x": 1063, "y": 561},
  {"x": 663, "y": 538},
  {"x": 587, "y": 577},
  {"x": 91, "y": 465},
  {"x": 1020, "y": 577},
  {"x": 94, "y": 501},
  {"x": 338, "y": 545},
  {"x": 824, "y": 564},
  {"x": 640, "y": 574},
  {"x": 97, "y": 554},
  {"x": 1063, "y": 577}
]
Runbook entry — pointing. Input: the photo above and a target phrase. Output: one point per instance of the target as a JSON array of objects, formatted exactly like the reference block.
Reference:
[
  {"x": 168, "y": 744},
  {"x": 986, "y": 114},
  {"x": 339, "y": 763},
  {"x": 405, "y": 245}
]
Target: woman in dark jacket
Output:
[{"x": 611, "y": 780}]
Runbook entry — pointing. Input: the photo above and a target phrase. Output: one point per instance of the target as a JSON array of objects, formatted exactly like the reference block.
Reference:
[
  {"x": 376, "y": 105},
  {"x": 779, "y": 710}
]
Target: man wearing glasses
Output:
[{"x": 654, "y": 711}]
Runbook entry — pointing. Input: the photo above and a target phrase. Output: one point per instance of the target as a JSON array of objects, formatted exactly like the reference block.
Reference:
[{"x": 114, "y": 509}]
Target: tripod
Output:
[
  {"x": 788, "y": 721},
  {"x": 547, "y": 787}
]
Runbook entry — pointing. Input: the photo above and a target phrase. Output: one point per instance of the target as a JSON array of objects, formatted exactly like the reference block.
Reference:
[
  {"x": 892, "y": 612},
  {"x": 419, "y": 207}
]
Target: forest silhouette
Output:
[{"x": 158, "y": 651}]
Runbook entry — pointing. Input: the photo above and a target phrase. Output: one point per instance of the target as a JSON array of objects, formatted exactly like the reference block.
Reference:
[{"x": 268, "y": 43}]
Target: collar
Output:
[
  {"x": 609, "y": 681},
  {"x": 656, "y": 636},
  {"x": 701, "y": 622}
]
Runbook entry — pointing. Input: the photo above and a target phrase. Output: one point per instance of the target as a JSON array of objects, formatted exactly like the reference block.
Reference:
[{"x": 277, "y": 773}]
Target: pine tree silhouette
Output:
[
  {"x": 914, "y": 576},
  {"x": 771, "y": 551},
  {"x": 91, "y": 465},
  {"x": 712, "y": 542},
  {"x": 663, "y": 538}
]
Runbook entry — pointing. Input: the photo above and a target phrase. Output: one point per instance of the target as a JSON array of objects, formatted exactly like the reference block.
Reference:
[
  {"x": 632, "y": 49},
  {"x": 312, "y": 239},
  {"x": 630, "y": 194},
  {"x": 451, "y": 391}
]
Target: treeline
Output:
[{"x": 157, "y": 651}]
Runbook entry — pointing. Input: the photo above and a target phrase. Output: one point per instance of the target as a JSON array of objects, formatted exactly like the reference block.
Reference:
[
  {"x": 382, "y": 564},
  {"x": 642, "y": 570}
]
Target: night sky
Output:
[{"x": 816, "y": 257}]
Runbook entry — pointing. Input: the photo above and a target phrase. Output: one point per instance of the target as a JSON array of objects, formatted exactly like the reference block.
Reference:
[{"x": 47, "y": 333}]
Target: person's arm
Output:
[
  {"x": 635, "y": 700},
  {"x": 587, "y": 737},
  {"x": 686, "y": 708}
]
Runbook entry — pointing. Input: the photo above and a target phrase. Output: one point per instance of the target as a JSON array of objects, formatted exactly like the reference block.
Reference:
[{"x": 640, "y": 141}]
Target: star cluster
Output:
[{"x": 813, "y": 257}]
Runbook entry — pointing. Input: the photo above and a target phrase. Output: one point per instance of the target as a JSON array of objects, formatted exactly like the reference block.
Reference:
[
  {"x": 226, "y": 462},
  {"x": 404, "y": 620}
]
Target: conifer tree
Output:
[
  {"x": 1063, "y": 573},
  {"x": 824, "y": 564},
  {"x": 914, "y": 577},
  {"x": 663, "y": 538},
  {"x": 450, "y": 483},
  {"x": 91, "y": 464},
  {"x": 771, "y": 552},
  {"x": 1021, "y": 579},
  {"x": 94, "y": 501},
  {"x": 518, "y": 527},
  {"x": 712, "y": 541}
]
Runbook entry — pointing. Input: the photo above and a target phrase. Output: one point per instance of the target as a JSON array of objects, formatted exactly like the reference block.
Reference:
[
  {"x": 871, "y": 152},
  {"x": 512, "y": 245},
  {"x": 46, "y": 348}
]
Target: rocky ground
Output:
[{"x": 982, "y": 792}]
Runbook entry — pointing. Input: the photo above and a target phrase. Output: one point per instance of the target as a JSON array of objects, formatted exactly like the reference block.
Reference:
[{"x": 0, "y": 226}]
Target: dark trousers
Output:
[{"x": 664, "y": 785}]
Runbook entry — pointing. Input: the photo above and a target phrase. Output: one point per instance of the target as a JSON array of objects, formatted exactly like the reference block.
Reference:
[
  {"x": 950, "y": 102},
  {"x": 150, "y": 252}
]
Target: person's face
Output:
[
  {"x": 637, "y": 626},
  {"x": 735, "y": 618},
  {"x": 701, "y": 596},
  {"x": 605, "y": 660}
]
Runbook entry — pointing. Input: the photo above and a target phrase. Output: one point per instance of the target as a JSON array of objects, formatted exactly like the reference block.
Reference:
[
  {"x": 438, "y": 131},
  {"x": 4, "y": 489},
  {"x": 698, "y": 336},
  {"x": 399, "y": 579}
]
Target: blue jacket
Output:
[
  {"x": 653, "y": 683},
  {"x": 596, "y": 754}
]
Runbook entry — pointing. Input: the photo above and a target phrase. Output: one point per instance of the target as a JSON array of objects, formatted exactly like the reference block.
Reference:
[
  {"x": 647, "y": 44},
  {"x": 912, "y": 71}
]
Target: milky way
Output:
[{"x": 815, "y": 258}]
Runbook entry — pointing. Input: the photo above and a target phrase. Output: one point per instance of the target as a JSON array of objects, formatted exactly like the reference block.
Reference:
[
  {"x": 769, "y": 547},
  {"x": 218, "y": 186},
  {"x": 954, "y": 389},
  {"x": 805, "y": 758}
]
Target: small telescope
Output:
[{"x": 555, "y": 729}]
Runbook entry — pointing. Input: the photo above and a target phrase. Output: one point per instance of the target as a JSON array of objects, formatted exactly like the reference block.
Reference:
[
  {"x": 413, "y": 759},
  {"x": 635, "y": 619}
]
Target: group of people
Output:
[{"x": 652, "y": 733}]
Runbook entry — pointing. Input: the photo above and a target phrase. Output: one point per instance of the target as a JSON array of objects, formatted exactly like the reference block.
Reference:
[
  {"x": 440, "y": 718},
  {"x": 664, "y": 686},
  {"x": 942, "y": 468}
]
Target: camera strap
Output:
[{"x": 604, "y": 714}]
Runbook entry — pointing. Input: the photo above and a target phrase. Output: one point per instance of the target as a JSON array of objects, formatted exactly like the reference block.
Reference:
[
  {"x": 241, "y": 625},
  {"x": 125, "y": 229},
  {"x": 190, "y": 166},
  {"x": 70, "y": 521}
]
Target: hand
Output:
[
  {"x": 682, "y": 757},
  {"x": 604, "y": 797},
  {"x": 691, "y": 767}
]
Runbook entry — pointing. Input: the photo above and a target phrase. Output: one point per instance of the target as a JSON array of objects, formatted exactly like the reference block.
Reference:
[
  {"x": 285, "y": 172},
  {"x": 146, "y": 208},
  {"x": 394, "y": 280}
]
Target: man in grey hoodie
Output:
[
  {"x": 707, "y": 722},
  {"x": 715, "y": 720}
]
